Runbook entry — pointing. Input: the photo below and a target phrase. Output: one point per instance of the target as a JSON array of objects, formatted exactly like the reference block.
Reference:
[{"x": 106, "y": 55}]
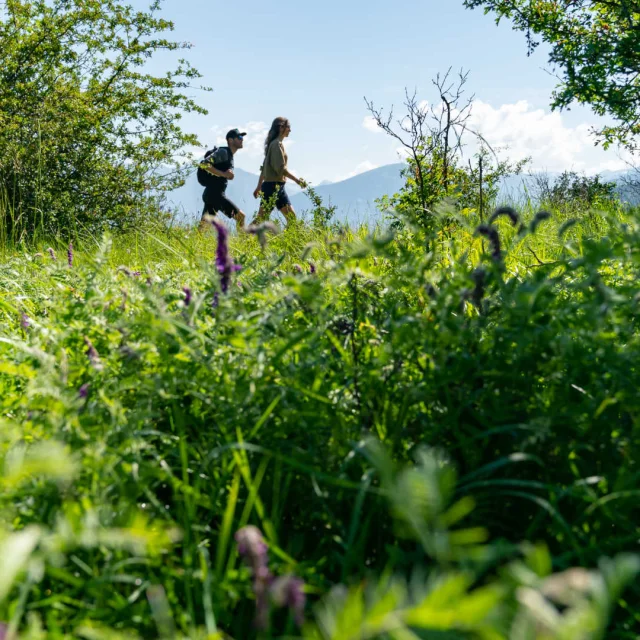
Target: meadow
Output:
[{"x": 324, "y": 433}]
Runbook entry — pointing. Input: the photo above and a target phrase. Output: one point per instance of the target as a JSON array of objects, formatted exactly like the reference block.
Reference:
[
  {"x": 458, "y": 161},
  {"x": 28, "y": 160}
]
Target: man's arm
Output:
[
  {"x": 214, "y": 158},
  {"x": 228, "y": 175}
]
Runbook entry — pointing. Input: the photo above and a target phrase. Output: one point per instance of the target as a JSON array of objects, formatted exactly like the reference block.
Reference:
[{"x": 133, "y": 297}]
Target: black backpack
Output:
[{"x": 205, "y": 178}]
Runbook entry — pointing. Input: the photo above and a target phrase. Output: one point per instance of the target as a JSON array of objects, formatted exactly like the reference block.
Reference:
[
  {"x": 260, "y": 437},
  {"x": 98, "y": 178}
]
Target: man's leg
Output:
[
  {"x": 240, "y": 222},
  {"x": 204, "y": 225},
  {"x": 231, "y": 210}
]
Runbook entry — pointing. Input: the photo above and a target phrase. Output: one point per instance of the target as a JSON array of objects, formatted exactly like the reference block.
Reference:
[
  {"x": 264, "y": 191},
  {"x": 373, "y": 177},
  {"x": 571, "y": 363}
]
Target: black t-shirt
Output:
[{"x": 222, "y": 160}]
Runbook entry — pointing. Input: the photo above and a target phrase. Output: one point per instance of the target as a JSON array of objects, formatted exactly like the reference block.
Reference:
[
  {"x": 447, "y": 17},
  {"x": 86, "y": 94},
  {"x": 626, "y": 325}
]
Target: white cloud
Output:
[
  {"x": 522, "y": 131},
  {"x": 624, "y": 161},
  {"x": 253, "y": 143},
  {"x": 518, "y": 130},
  {"x": 370, "y": 124}
]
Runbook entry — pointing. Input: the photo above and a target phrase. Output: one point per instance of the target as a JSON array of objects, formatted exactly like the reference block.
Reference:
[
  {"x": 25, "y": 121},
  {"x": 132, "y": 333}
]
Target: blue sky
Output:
[{"x": 313, "y": 62}]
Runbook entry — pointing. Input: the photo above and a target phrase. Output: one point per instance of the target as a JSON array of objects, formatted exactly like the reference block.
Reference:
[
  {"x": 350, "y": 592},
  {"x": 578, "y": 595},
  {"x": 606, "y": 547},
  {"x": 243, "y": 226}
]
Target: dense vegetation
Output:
[
  {"x": 396, "y": 421},
  {"x": 423, "y": 430},
  {"x": 88, "y": 137}
]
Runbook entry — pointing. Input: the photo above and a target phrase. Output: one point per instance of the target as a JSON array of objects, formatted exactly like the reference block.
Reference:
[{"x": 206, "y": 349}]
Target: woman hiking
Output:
[{"x": 274, "y": 174}]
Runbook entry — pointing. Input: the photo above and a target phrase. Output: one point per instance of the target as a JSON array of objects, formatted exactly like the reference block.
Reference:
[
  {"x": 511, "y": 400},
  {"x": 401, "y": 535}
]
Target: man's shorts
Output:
[
  {"x": 215, "y": 201},
  {"x": 281, "y": 197}
]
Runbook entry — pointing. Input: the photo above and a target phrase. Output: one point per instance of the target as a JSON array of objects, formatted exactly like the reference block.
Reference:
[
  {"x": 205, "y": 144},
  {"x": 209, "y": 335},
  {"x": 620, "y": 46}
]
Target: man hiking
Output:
[{"x": 214, "y": 174}]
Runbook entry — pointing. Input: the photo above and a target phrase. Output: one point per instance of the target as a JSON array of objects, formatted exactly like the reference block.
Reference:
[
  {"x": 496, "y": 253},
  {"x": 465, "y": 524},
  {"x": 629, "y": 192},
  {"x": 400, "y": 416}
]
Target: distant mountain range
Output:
[{"x": 355, "y": 197}]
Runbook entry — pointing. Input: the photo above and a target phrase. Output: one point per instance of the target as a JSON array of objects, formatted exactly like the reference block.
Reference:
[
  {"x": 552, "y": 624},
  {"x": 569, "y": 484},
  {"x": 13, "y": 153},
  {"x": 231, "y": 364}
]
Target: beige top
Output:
[{"x": 275, "y": 163}]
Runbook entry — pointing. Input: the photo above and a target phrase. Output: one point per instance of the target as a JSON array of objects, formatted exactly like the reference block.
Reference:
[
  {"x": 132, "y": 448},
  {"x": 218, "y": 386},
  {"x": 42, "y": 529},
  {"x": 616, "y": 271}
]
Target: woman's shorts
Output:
[{"x": 274, "y": 192}]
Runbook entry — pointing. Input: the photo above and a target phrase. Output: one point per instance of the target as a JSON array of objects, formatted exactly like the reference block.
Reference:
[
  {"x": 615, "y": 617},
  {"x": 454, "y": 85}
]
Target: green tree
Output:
[
  {"x": 87, "y": 136},
  {"x": 473, "y": 186},
  {"x": 574, "y": 192},
  {"x": 594, "y": 49},
  {"x": 433, "y": 136}
]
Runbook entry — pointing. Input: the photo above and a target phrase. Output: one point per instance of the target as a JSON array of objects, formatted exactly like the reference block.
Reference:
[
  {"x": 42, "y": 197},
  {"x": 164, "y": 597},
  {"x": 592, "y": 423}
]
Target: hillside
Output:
[{"x": 355, "y": 197}]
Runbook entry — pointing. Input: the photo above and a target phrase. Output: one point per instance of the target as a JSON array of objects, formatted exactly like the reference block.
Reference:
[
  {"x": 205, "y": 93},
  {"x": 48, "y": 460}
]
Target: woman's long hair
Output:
[{"x": 274, "y": 132}]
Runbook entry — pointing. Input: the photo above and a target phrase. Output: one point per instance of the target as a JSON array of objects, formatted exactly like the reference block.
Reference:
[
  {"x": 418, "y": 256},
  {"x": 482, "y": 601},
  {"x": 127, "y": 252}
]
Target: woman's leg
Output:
[
  {"x": 261, "y": 216},
  {"x": 289, "y": 214}
]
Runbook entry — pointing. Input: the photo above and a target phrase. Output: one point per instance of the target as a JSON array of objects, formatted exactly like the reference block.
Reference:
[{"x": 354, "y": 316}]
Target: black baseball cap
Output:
[{"x": 235, "y": 133}]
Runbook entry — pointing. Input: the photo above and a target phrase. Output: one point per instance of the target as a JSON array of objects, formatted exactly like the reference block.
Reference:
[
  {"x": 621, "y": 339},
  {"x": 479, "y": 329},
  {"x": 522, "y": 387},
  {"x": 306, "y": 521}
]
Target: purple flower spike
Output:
[
  {"x": 253, "y": 549},
  {"x": 92, "y": 354},
  {"x": 52, "y": 254},
  {"x": 224, "y": 263},
  {"x": 187, "y": 296},
  {"x": 222, "y": 250},
  {"x": 25, "y": 321},
  {"x": 70, "y": 255},
  {"x": 4, "y": 631},
  {"x": 312, "y": 267},
  {"x": 297, "y": 268},
  {"x": 492, "y": 234},
  {"x": 128, "y": 272},
  {"x": 288, "y": 591},
  {"x": 260, "y": 230},
  {"x": 83, "y": 391}
]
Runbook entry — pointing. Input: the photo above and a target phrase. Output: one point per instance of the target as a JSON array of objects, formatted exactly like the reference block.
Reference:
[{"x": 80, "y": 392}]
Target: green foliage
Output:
[
  {"x": 88, "y": 138},
  {"x": 594, "y": 46},
  {"x": 473, "y": 186},
  {"x": 433, "y": 139},
  {"x": 574, "y": 192},
  {"x": 307, "y": 403},
  {"x": 526, "y": 601},
  {"x": 322, "y": 213}
]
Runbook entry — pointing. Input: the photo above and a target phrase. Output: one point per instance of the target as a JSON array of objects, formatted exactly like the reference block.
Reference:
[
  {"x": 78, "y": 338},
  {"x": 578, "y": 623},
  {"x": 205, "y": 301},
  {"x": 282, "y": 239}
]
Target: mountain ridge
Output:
[{"x": 354, "y": 198}]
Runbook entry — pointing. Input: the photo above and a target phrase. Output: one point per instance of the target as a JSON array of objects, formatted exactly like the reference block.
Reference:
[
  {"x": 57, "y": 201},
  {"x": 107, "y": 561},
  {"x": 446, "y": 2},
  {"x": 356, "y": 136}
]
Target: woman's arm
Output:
[
  {"x": 299, "y": 181},
  {"x": 275, "y": 158},
  {"x": 256, "y": 193},
  {"x": 279, "y": 165}
]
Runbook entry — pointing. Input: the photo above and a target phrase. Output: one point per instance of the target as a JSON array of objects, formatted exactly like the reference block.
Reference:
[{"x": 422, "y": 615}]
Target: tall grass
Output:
[{"x": 148, "y": 416}]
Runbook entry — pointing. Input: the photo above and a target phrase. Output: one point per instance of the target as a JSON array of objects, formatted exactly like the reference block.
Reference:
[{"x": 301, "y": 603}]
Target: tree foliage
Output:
[
  {"x": 87, "y": 135},
  {"x": 434, "y": 137},
  {"x": 574, "y": 192},
  {"x": 594, "y": 47}
]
